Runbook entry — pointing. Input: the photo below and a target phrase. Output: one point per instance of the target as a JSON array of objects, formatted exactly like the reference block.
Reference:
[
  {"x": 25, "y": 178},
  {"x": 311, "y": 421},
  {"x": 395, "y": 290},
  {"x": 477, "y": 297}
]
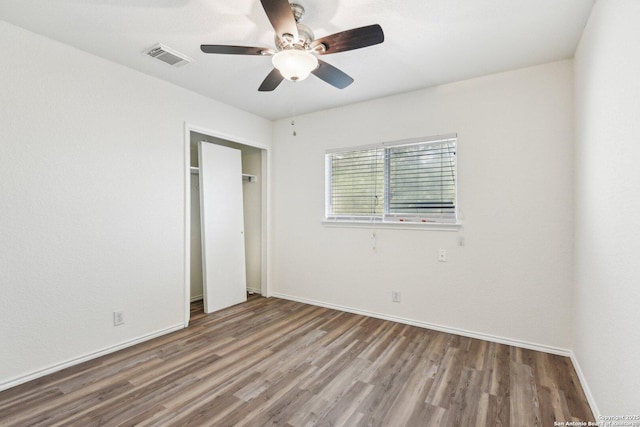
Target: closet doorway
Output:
[{"x": 254, "y": 160}]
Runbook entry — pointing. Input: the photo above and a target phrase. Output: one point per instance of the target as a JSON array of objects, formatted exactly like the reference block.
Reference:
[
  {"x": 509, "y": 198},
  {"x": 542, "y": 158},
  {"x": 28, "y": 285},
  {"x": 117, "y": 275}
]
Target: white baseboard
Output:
[
  {"x": 456, "y": 331},
  {"x": 585, "y": 386},
  {"x": 89, "y": 356},
  {"x": 196, "y": 298}
]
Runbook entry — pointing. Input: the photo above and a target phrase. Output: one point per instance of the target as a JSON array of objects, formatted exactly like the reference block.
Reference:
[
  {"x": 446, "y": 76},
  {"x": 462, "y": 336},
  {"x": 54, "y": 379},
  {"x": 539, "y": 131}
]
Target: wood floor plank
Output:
[
  {"x": 276, "y": 362},
  {"x": 467, "y": 398},
  {"x": 524, "y": 400},
  {"x": 414, "y": 389},
  {"x": 446, "y": 379},
  {"x": 343, "y": 410}
]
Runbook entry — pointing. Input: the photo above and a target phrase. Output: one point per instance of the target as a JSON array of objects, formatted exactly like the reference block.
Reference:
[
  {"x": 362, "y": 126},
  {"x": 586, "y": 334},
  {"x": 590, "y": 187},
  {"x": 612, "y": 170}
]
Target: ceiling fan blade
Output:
[
  {"x": 355, "y": 38},
  {"x": 281, "y": 17},
  {"x": 332, "y": 75},
  {"x": 233, "y": 50},
  {"x": 271, "y": 81}
]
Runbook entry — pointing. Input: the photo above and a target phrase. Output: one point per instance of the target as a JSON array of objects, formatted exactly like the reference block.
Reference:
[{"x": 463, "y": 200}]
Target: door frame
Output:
[{"x": 265, "y": 211}]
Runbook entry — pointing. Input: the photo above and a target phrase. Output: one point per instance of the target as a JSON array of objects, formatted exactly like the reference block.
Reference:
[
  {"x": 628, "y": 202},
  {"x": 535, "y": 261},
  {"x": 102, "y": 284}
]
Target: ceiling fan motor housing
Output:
[
  {"x": 305, "y": 38},
  {"x": 305, "y": 35}
]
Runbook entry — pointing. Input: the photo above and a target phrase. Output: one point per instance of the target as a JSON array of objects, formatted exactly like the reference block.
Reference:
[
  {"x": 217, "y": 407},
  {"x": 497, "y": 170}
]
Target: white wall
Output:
[
  {"x": 92, "y": 201},
  {"x": 513, "y": 277},
  {"x": 606, "y": 331}
]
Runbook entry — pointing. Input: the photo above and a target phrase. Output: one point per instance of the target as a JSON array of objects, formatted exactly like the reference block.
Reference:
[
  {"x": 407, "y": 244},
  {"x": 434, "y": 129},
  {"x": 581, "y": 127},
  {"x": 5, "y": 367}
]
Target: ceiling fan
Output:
[{"x": 295, "y": 55}]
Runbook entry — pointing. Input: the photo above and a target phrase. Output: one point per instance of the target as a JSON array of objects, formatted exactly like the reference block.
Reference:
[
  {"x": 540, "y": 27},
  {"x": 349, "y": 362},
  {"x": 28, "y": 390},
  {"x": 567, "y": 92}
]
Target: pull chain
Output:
[{"x": 295, "y": 108}]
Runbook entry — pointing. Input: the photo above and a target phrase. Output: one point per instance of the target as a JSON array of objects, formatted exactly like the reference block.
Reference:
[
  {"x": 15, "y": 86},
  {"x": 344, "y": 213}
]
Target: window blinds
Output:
[
  {"x": 422, "y": 180},
  {"x": 356, "y": 183},
  {"x": 407, "y": 181}
]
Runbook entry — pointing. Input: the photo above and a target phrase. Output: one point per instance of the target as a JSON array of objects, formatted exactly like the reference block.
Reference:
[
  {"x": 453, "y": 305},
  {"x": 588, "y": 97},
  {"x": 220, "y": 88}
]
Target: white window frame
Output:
[{"x": 387, "y": 220}]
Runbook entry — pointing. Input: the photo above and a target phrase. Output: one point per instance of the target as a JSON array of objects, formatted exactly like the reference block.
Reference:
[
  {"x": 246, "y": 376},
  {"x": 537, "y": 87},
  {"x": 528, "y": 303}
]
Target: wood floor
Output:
[{"x": 277, "y": 362}]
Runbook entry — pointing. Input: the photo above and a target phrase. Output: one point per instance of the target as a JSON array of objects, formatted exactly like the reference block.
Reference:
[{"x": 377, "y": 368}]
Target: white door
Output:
[{"x": 221, "y": 216}]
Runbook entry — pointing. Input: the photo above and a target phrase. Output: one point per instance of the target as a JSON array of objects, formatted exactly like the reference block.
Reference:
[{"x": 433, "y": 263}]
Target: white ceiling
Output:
[{"x": 427, "y": 42}]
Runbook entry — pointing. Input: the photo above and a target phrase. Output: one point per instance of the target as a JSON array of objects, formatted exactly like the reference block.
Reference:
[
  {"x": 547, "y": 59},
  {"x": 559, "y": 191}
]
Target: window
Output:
[{"x": 406, "y": 181}]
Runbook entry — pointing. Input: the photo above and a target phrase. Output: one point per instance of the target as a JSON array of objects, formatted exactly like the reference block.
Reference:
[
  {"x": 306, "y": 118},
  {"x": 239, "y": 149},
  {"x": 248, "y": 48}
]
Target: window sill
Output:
[{"x": 398, "y": 225}]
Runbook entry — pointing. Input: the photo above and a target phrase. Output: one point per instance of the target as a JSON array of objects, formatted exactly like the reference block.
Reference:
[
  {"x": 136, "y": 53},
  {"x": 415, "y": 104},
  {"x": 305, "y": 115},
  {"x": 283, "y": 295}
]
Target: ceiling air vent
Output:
[{"x": 168, "y": 55}]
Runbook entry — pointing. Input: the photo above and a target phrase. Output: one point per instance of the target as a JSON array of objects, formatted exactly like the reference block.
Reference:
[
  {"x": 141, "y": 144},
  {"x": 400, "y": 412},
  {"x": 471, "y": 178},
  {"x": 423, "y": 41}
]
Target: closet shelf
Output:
[{"x": 245, "y": 176}]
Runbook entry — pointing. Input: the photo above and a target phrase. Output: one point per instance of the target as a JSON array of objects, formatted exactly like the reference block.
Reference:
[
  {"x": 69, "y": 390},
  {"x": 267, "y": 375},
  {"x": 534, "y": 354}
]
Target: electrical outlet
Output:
[
  {"x": 118, "y": 318},
  {"x": 396, "y": 296},
  {"x": 442, "y": 255}
]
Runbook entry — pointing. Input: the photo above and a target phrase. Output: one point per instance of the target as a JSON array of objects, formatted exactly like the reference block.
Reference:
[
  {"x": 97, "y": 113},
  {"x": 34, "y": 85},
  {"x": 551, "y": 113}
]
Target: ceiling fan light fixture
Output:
[{"x": 295, "y": 64}]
